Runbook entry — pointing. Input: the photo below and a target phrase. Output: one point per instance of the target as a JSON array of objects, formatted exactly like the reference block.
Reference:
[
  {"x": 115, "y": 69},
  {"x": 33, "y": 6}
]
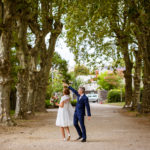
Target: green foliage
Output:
[
  {"x": 61, "y": 64},
  {"x": 81, "y": 70},
  {"x": 12, "y": 112},
  {"x": 114, "y": 95},
  {"x": 57, "y": 75},
  {"x": 75, "y": 82},
  {"x": 108, "y": 81},
  {"x": 15, "y": 67},
  {"x": 48, "y": 104},
  {"x": 74, "y": 102}
]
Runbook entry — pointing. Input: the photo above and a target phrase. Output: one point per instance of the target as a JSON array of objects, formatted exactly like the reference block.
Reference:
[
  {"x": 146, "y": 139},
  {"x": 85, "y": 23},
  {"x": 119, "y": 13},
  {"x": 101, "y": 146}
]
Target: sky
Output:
[{"x": 65, "y": 53}]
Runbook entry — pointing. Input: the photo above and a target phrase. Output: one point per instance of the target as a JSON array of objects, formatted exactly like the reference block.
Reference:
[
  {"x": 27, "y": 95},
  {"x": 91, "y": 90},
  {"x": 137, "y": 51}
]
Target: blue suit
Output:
[{"x": 80, "y": 112}]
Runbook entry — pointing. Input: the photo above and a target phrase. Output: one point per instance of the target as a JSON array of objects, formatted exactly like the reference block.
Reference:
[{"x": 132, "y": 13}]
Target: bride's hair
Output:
[{"x": 66, "y": 91}]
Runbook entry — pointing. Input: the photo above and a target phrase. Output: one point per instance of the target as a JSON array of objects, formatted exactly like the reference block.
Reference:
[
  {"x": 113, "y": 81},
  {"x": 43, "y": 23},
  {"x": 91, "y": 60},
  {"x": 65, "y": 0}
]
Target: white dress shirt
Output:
[{"x": 81, "y": 96}]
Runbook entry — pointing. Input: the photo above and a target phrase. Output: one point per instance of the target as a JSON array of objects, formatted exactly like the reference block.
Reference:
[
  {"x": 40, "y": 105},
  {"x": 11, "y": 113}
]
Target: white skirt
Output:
[{"x": 65, "y": 116}]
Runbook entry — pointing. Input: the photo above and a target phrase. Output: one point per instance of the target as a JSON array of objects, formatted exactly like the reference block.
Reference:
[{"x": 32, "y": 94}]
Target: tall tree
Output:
[
  {"x": 139, "y": 14},
  {"x": 102, "y": 21},
  {"x": 23, "y": 57},
  {"x": 7, "y": 16}
]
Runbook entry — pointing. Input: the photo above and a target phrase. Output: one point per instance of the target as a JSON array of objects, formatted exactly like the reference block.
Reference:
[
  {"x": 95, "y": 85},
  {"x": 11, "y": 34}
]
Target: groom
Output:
[{"x": 82, "y": 102}]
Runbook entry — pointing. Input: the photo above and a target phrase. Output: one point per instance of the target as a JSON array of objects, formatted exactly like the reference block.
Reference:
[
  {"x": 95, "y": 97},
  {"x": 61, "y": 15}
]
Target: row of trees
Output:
[
  {"x": 29, "y": 30},
  {"x": 117, "y": 30}
]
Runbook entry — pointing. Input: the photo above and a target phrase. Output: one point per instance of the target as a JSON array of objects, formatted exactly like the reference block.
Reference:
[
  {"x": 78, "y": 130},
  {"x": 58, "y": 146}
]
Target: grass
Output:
[
  {"x": 116, "y": 104},
  {"x": 12, "y": 112}
]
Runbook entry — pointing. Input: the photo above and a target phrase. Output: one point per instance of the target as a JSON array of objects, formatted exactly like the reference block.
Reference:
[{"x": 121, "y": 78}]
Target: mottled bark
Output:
[
  {"x": 146, "y": 80},
  {"x": 23, "y": 74},
  {"x": 44, "y": 72},
  {"x": 32, "y": 91},
  {"x": 137, "y": 79},
  {"x": 5, "y": 66},
  {"x": 123, "y": 43}
]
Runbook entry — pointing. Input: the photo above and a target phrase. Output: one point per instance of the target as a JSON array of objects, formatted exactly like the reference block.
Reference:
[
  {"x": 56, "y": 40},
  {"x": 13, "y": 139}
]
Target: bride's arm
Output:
[{"x": 60, "y": 105}]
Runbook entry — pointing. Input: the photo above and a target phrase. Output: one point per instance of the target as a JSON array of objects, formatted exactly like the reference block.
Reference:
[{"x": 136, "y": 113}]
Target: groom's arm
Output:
[
  {"x": 86, "y": 101},
  {"x": 73, "y": 90}
]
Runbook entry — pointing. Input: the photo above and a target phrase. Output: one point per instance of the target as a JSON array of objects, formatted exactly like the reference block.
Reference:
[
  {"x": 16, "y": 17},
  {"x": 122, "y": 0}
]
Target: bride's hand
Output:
[
  {"x": 56, "y": 104},
  {"x": 65, "y": 84}
]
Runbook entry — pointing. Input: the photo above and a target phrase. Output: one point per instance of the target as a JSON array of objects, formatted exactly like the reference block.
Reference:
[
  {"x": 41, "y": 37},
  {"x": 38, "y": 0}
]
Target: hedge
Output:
[
  {"x": 48, "y": 104},
  {"x": 74, "y": 102},
  {"x": 114, "y": 95}
]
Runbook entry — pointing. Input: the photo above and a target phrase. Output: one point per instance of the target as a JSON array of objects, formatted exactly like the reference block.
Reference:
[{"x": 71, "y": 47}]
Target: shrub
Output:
[
  {"x": 48, "y": 104},
  {"x": 74, "y": 102},
  {"x": 114, "y": 95},
  {"x": 109, "y": 80}
]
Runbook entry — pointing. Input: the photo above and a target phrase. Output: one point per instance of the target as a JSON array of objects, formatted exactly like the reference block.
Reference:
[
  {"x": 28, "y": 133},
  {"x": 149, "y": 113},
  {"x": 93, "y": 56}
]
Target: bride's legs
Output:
[
  {"x": 62, "y": 132},
  {"x": 68, "y": 131}
]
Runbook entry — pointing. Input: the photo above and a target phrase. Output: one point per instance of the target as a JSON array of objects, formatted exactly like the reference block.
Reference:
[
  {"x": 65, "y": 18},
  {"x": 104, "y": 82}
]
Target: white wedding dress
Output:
[{"x": 65, "y": 114}]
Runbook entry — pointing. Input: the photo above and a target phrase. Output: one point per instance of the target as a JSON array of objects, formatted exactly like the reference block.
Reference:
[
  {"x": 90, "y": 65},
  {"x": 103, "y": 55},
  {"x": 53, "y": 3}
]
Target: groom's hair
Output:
[{"x": 82, "y": 88}]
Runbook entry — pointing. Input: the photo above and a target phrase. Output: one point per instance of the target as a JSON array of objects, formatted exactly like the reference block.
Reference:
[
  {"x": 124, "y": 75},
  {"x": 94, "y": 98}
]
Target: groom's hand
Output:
[{"x": 89, "y": 117}]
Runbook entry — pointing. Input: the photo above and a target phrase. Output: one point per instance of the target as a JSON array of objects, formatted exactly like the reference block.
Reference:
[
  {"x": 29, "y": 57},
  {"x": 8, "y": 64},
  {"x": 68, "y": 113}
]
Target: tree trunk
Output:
[
  {"x": 146, "y": 58},
  {"x": 44, "y": 72},
  {"x": 41, "y": 93},
  {"x": 137, "y": 80},
  {"x": 5, "y": 66},
  {"x": 128, "y": 70},
  {"x": 32, "y": 91},
  {"x": 23, "y": 74},
  {"x": 21, "y": 103}
]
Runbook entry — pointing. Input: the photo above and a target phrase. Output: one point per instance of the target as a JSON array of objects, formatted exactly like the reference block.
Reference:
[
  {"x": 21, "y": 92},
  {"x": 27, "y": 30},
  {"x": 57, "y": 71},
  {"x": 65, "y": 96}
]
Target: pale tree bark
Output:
[
  {"x": 5, "y": 66},
  {"x": 137, "y": 76},
  {"x": 23, "y": 74},
  {"x": 137, "y": 79}
]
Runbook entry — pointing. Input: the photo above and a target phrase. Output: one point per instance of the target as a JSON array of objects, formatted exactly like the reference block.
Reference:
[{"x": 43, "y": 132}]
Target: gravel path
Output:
[{"x": 109, "y": 129}]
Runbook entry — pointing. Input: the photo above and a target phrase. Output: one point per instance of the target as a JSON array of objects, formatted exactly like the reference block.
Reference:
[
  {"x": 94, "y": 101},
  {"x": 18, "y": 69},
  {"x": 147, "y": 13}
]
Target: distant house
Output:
[
  {"x": 85, "y": 78},
  {"x": 91, "y": 87}
]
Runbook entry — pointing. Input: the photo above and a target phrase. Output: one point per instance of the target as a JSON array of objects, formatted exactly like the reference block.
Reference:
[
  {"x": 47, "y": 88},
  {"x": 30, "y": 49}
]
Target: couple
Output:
[{"x": 65, "y": 112}]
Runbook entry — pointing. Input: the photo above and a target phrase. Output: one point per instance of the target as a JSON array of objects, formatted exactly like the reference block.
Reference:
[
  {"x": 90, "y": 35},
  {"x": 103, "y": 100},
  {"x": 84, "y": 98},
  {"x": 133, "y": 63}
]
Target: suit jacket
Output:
[{"x": 81, "y": 103}]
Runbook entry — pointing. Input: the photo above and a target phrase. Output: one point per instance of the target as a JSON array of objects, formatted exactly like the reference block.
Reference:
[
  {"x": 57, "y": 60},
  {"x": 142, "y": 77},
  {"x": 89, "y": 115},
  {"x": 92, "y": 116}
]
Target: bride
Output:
[{"x": 65, "y": 114}]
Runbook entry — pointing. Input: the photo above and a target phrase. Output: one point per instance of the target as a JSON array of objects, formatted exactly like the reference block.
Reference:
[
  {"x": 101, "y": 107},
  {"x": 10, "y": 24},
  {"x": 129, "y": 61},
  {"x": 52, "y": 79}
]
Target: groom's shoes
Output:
[
  {"x": 78, "y": 138},
  {"x": 83, "y": 140}
]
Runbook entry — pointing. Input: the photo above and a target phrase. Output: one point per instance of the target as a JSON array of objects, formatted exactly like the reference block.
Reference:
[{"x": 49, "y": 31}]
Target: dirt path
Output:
[{"x": 108, "y": 130}]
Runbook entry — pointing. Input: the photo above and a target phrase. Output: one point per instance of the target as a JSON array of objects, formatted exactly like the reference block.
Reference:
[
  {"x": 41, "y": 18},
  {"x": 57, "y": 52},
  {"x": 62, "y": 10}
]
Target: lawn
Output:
[{"x": 116, "y": 104}]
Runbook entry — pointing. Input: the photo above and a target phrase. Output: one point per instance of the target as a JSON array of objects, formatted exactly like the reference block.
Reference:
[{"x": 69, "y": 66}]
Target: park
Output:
[{"x": 99, "y": 48}]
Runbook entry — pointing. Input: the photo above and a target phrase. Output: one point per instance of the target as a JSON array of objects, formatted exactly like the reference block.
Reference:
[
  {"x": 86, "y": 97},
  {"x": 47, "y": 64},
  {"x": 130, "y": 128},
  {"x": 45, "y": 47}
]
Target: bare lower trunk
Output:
[
  {"x": 32, "y": 91},
  {"x": 23, "y": 74},
  {"x": 146, "y": 95},
  {"x": 146, "y": 58},
  {"x": 21, "y": 104},
  {"x": 127, "y": 74},
  {"x": 41, "y": 91},
  {"x": 5, "y": 87},
  {"x": 137, "y": 80}
]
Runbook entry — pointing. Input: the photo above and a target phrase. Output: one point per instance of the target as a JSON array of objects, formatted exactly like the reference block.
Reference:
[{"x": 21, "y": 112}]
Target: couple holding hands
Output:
[{"x": 66, "y": 116}]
